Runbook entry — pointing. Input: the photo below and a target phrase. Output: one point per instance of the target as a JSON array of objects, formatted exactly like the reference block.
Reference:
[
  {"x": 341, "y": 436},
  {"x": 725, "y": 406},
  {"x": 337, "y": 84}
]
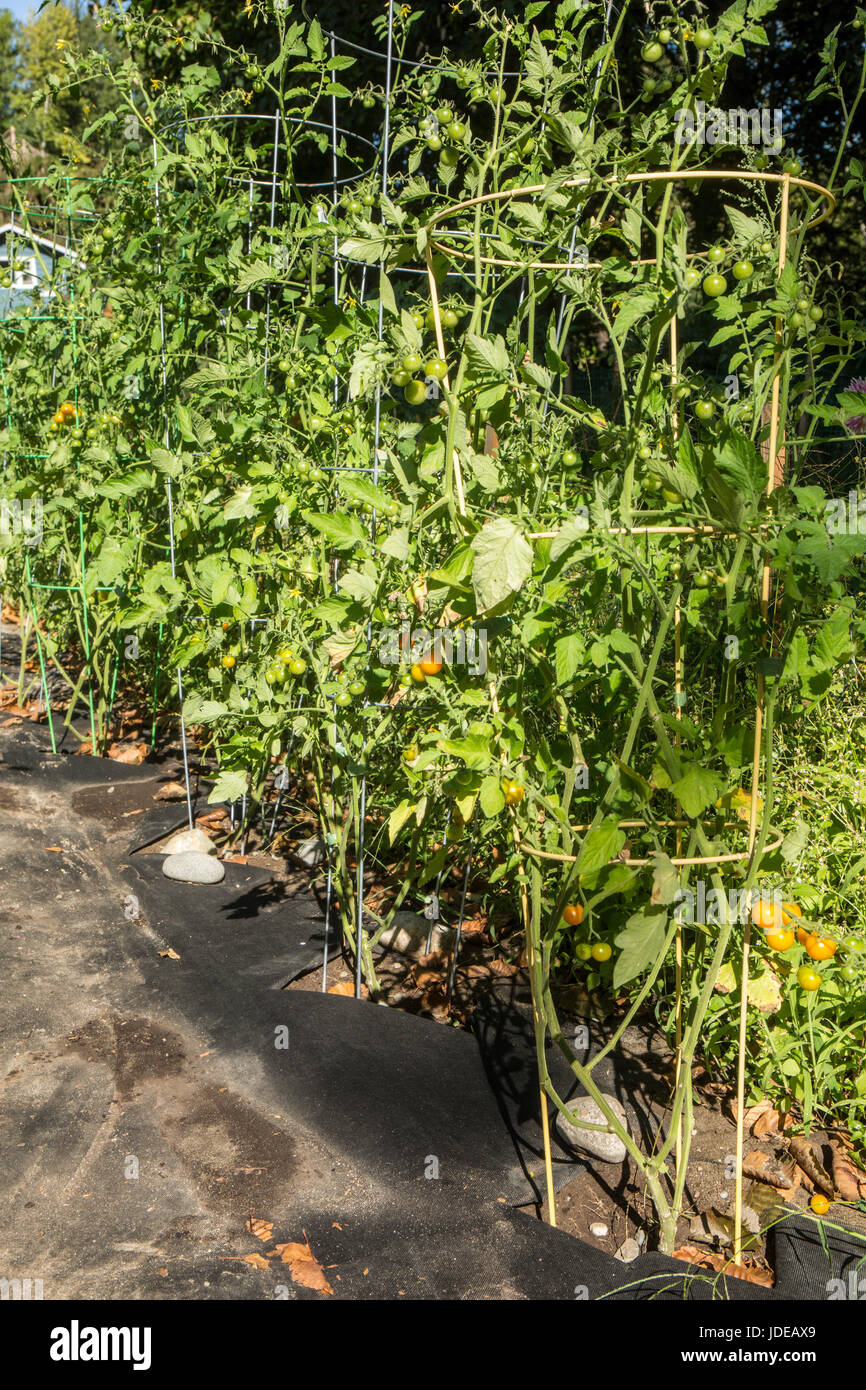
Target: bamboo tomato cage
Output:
[{"x": 441, "y": 240}]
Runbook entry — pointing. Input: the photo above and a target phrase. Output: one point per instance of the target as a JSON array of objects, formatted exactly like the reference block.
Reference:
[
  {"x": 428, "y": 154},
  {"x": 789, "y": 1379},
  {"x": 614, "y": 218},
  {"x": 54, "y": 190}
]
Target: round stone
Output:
[
  {"x": 608, "y": 1147},
  {"x": 598, "y": 1229},
  {"x": 193, "y": 867},
  {"x": 190, "y": 842}
]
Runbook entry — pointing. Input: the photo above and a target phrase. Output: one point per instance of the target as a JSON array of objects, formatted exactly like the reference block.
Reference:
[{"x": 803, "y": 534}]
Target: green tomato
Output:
[
  {"x": 703, "y": 38},
  {"x": 715, "y": 285},
  {"x": 297, "y": 666},
  {"x": 401, "y": 378},
  {"x": 357, "y": 688},
  {"x": 433, "y": 142},
  {"x": 415, "y": 392},
  {"x": 743, "y": 270},
  {"x": 583, "y": 950},
  {"x": 417, "y": 318},
  {"x": 412, "y": 361},
  {"x": 703, "y": 579},
  {"x": 449, "y": 158},
  {"x": 444, "y": 115},
  {"x": 848, "y": 972},
  {"x": 569, "y": 458},
  {"x": 855, "y": 943},
  {"x": 816, "y": 313},
  {"x": 449, "y": 318},
  {"x": 436, "y": 367},
  {"x": 456, "y": 131},
  {"x": 704, "y": 409},
  {"x": 343, "y": 699},
  {"x": 793, "y": 167},
  {"x": 716, "y": 254},
  {"x": 796, "y": 319},
  {"x": 664, "y": 35},
  {"x": 692, "y": 278},
  {"x": 651, "y": 52}
]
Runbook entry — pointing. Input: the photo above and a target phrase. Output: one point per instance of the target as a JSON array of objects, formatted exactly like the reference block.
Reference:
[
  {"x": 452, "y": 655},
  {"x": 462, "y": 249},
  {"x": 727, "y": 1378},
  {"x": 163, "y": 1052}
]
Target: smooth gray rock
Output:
[
  {"x": 311, "y": 852},
  {"x": 608, "y": 1147},
  {"x": 628, "y": 1251},
  {"x": 193, "y": 867},
  {"x": 408, "y": 934},
  {"x": 189, "y": 842}
]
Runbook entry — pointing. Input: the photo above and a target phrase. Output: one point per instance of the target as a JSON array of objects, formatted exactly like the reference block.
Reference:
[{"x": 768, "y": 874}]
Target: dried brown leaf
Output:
[
  {"x": 805, "y": 1156},
  {"x": 303, "y": 1265},
  {"x": 706, "y": 1259},
  {"x": 850, "y": 1180},
  {"x": 171, "y": 791},
  {"x": 258, "y": 1261},
  {"x": 784, "y": 1177},
  {"x": 261, "y": 1229}
]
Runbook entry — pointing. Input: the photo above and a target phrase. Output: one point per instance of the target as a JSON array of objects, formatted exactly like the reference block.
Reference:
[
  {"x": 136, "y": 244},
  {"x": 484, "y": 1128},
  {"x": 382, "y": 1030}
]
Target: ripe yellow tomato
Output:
[
  {"x": 228, "y": 662},
  {"x": 430, "y": 667},
  {"x": 820, "y": 947},
  {"x": 790, "y": 910},
  {"x": 513, "y": 792},
  {"x": 416, "y": 673},
  {"x": 766, "y": 914},
  {"x": 601, "y": 951},
  {"x": 779, "y": 939},
  {"x": 820, "y": 1204}
]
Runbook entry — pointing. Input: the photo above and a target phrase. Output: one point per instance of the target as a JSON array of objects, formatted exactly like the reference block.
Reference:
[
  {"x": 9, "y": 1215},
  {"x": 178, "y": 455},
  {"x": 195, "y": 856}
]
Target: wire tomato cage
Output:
[{"x": 441, "y": 239}]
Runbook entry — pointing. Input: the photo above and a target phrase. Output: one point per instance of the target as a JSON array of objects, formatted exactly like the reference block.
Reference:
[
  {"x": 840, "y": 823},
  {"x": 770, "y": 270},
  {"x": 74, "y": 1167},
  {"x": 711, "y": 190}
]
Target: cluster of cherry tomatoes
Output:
[
  {"x": 65, "y": 416},
  {"x": 599, "y": 951},
  {"x": 781, "y": 932}
]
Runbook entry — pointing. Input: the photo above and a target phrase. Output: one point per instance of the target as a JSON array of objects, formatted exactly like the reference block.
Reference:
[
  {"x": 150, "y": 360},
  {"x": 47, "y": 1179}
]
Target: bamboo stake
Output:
[{"x": 775, "y": 471}]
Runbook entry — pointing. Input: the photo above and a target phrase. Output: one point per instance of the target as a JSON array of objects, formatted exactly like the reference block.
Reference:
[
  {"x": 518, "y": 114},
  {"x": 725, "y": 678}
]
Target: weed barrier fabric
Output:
[
  {"x": 502, "y": 1025},
  {"x": 403, "y": 1103},
  {"x": 240, "y": 932}
]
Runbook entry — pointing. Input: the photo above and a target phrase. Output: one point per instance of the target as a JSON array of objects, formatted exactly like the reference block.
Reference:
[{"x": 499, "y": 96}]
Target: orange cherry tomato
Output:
[
  {"x": 430, "y": 667},
  {"x": 820, "y": 947},
  {"x": 779, "y": 939},
  {"x": 820, "y": 1204},
  {"x": 790, "y": 910},
  {"x": 572, "y": 913},
  {"x": 803, "y": 935},
  {"x": 766, "y": 914}
]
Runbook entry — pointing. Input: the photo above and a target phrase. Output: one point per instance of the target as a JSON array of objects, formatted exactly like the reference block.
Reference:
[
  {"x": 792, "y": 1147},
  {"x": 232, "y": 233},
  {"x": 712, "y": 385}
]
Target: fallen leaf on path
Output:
[
  {"x": 706, "y": 1259},
  {"x": 258, "y": 1261},
  {"x": 170, "y": 791},
  {"x": 128, "y": 752},
  {"x": 235, "y": 858},
  {"x": 806, "y": 1157},
  {"x": 172, "y": 955},
  {"x": 303, "y": 1265},
  {"x": 784, "y": 1177},
  {"x": 262, "y": 1230},
  {"x": 850, "y": 1180},
  {"x": 347, "y": 987},
  {"x": 54, "y": 849}
]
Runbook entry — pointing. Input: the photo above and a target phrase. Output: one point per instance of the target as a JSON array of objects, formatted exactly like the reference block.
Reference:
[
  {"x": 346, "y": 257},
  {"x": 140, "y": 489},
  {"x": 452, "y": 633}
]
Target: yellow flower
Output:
[
  {"x": 247, "y": 97},
  {"x": 61, "y": 43}
]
